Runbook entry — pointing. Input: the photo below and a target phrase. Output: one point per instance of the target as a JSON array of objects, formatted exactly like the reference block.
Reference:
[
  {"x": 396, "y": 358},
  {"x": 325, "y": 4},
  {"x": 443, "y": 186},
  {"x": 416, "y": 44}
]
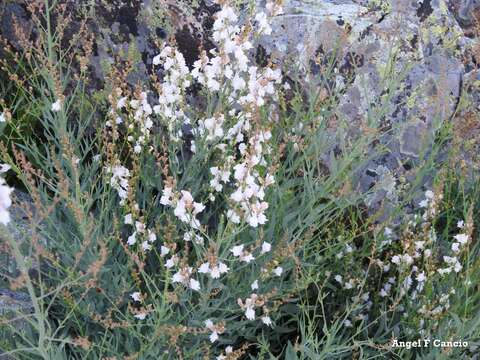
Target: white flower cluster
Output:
[
  {"x": 250, "y": 186},
  {"x": 443, "y": 306},
  {"x": 186, "y": 208},
  {"x": 453, "y": 264},
  {"x": 176, "y": 80},
  {"x": 138, "y": 130},
  {"x": 239, "y": 137},
  {"x": 228, "y": 72},
  {"x": 184, "y": 277},
  {"x": 214, "y": 270},
  {"x": 211, "y": 127},
  {"x": 430, "y": 204},
  {"x": 219, "y": 175},
  {"x": 410, "y": 262},
  {"x": 119, "y": 181},
  {"x": 215, "y": 330},
  {"x": 249, "y": 305},
  {"x": 147, "y": 235}
]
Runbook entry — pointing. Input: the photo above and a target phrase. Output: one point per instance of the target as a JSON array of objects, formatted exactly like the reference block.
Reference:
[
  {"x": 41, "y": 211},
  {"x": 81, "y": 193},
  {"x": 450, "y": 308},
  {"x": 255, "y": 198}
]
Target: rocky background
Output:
[{"x": 434, "y": 44}]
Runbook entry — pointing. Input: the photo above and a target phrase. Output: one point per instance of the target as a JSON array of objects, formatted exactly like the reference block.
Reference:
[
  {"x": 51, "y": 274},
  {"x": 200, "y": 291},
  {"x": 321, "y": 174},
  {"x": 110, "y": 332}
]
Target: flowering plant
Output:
[{"x": 211, "y": 213}]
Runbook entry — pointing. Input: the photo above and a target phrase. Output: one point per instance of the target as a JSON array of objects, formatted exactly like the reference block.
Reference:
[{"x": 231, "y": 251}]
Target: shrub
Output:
[{"x": 193, "y": 217}]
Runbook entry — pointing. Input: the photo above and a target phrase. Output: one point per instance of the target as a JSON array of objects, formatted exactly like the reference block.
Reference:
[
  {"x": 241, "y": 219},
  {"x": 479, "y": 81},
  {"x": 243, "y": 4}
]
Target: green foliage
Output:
[{"x": 318, "y": 226}]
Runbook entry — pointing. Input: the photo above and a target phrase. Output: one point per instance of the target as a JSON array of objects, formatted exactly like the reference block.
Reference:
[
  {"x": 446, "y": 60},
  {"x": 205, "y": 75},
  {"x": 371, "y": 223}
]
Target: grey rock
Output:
[
  {"x": 15, "y": 25},
  {"x": 423, "y": 38},
  {"x": 467, "y": 11},
  {"x": 12, "y": 302},
  {"x": 307, "y": 26},
  {"x": 14, "y": 306}
]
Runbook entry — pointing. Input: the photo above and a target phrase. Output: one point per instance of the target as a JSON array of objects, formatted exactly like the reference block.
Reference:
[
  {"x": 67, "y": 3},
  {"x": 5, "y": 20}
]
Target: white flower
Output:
[
  {"x": 140, "y": 227},
  {"x": 237, "y": 250},
  {"x": 238, "y": 83},
  {"x": 407, "y": 259},
  {"x": 423, "y": 203},
  {"x": 237, "y": 196},
  {"x": 204, "y": 268},
  {"x": 132, "y": 239},
  {"x": 186, "y": 209},
  {"x": 396, "y": 259},
  {"x": 214, "y": 271},
  {"x": 210, "y": 326},
  {"x": 157, "y": 60},
  {"x": 223, "y": 268},
  {"x": 233, "y": 216},
  {"x": 128, "y": 219},
  {"x": 181, "y": 212},
  {"x": 57, "y": 105},
  {"x": 461, "y": 238},
  {"x": 167, "y": 194},
  {"x": 213, "y": 337},
  {"x": 266, "y": 320},
  {"x": 250, "y": 313},
  {"x": 178, "y": 277},
  {"x": 419, "y": 245},
  {"x": 449, "y": 259},
  {"x": 460, "y": 224},
  {"x": 429, "y": 194},
  {"x": 151, "y": 236},
  {"x": 421, "y": 277},
  {"x": 444, "y": 271},
  {"x": 164, "y": 251},
  {"x": 136, "y": 296},
  {"x": 121, "y": 103},
  {"x": 119, "y": 180},
  {"x": 170, "y": 262},
  {"x": 247, "y": 257},
  {"x": 194, "y": 285},
  {"x": 338, "y": 278},
  {"x": 278, "y": 271},
  {"x": 146, "y": 246},
  {"x": 4, "y": 168},
  {"x": 141, "y": 315},
  {"x": 266, "y": 247},
  {"x": 456, "y": 247},
  {"x": 457, "y": 267},
  {"x": 254, "y": 285},
  {"x": 2, "y": 117}
]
